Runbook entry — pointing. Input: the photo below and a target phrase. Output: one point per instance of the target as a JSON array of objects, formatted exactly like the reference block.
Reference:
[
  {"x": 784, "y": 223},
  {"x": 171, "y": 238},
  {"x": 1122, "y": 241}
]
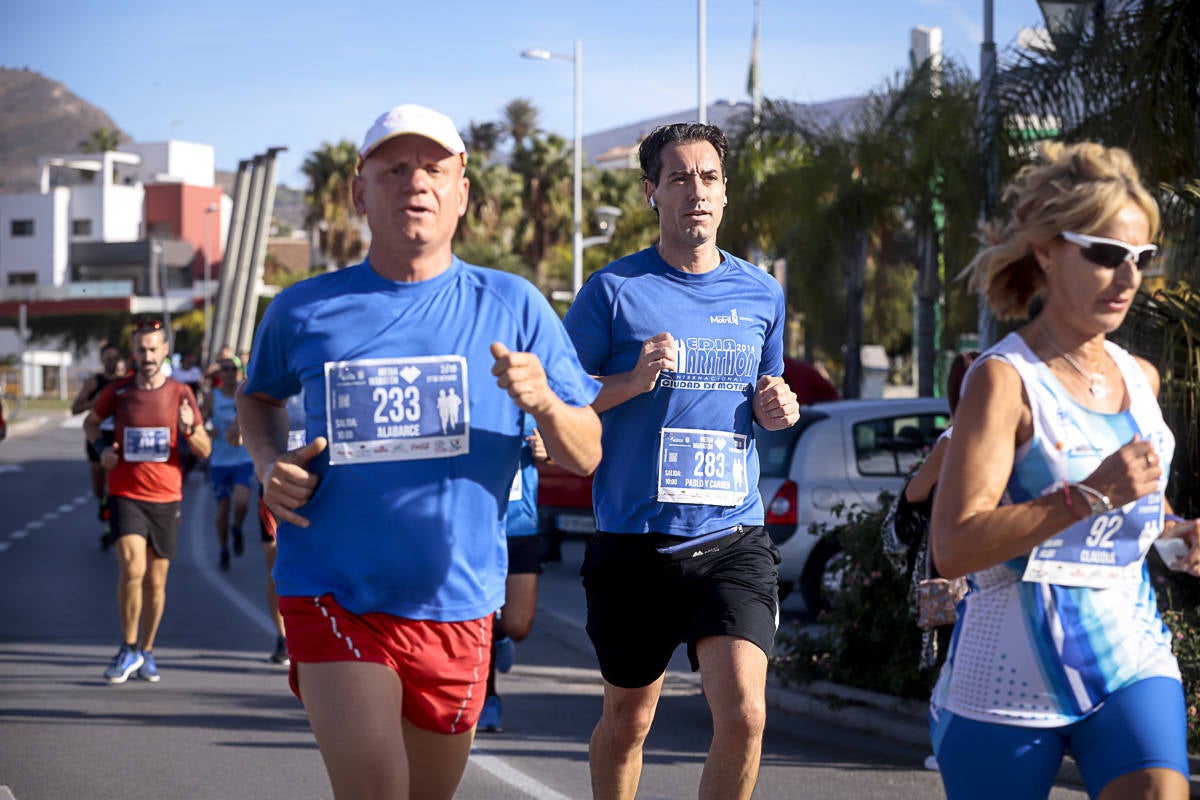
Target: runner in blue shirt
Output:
[
  {"x": 687, "y": 341},
  {"x": 417, "y": 370}
]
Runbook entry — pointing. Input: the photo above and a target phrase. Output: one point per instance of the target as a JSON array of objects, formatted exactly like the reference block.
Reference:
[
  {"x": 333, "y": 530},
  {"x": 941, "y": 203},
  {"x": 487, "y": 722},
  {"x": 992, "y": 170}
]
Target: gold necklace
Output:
[{"x": 1095, "y": 380}]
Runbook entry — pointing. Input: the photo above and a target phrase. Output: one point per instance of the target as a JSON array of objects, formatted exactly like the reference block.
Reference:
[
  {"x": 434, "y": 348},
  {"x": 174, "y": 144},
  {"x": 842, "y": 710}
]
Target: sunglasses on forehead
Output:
[
  {"x": 149, "y": 325},
  {"x": 1111, "y": 253}
]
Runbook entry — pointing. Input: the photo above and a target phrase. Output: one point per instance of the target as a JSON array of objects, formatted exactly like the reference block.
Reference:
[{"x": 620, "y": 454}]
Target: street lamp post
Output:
[
  {"x": 160, "y": 266},
  {"x": 577, "y": 234},
  {"x": 1062, "y": 17},
  {"x": 988, "y": 329},
  {"x": 205, "y": 341}
]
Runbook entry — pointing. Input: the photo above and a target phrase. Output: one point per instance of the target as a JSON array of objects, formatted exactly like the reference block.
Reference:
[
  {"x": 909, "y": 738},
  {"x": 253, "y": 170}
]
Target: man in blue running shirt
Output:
[
  {"x": 417, "y": 370},
  {"x": 687, "y": 341}
]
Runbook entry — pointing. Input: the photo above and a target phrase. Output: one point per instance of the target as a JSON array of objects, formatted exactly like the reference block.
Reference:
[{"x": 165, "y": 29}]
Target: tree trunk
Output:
[
  {"x": 855, "y": 268},
  {"x": 928, "y": 290}
]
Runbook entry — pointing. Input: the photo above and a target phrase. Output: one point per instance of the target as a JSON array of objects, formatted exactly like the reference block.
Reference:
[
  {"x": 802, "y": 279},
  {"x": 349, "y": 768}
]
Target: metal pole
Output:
[
  {"x": 577, "y": 236},
  {"x": 156, "y": 250},
  {"x": 701, "y": 101},
  {"x": 206, "y": 340},
  {"x": 988, "y": 329},
  {"x": 258, "y": 254},
  {"x": 233, "y": 242},
  {"x": 241, "y": 275}
]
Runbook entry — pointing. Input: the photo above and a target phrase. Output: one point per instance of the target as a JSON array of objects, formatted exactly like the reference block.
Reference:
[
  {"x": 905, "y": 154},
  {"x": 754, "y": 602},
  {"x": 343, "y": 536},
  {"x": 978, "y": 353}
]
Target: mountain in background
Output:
[{"x": 40, "y": 116}]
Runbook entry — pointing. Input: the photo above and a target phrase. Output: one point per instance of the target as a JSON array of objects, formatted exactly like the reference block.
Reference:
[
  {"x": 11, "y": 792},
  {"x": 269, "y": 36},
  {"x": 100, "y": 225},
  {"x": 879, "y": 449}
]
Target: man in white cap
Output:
[{"x": 391, "y": 555}]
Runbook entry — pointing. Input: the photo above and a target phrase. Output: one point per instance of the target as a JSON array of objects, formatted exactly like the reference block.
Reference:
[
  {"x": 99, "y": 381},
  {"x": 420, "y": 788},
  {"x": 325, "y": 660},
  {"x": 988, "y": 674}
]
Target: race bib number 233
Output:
[{"x": 397, "y": 409}]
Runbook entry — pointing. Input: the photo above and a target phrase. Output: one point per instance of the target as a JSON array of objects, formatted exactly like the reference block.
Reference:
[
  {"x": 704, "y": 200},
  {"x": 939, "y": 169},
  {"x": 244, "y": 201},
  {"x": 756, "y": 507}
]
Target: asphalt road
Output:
[{"x": 222, "y": 722}]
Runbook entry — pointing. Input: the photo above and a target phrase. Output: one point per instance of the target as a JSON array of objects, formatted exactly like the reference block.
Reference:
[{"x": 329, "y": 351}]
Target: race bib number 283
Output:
[{"x": 397, "y": 409}]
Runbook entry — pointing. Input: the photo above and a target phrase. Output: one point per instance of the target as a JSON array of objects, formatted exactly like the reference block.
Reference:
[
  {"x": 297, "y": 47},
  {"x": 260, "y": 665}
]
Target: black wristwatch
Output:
[
  {"x": 187, "y": 431},
  {"x": 100, "y": 445}
]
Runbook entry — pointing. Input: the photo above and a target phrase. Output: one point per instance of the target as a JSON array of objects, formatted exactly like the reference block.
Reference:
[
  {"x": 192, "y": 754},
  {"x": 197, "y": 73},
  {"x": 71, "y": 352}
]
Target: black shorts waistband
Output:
[{"x": 677, "y": 548}]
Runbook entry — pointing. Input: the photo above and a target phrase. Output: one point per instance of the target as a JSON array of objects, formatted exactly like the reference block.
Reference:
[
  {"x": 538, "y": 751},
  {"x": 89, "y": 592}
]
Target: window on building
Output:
[
  {"x": 81, "y": 227},
  {"x": 22, "y": 278},
  {"x": 21, "y": 227}
]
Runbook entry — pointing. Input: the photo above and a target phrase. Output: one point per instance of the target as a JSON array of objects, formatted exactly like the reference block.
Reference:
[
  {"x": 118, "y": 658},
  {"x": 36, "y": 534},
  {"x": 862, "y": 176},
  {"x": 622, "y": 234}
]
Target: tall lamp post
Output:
[
  {"x": 577, "y": 235},
  {"x": 206, "y": 340},
  {"x": 1062, "y": 17},
  {"x": 988, "y": 330}
]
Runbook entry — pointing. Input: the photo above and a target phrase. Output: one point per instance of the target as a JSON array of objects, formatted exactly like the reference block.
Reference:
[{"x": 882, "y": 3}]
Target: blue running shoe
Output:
[
  {"x": 148, "y": 671},
  {"x": 124, "y": 663},
  {"x": 490, "y": 717}
]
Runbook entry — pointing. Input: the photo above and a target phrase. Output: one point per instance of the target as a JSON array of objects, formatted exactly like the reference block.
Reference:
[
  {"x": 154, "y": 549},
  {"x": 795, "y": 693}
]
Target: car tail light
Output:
[{"x": 782, "y": 508}]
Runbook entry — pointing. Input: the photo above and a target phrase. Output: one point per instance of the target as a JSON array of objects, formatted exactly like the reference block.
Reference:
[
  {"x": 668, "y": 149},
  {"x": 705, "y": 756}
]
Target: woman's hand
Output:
[{"x": 1129, "y": 473}]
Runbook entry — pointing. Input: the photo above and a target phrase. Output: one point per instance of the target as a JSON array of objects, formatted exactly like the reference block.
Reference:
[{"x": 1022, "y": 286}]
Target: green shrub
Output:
[{"x": 868, "y": 639}]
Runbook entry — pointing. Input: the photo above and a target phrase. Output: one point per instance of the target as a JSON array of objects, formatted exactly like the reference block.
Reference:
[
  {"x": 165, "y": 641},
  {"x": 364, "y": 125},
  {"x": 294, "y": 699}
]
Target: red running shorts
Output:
[{"x": 443, "y": 666}]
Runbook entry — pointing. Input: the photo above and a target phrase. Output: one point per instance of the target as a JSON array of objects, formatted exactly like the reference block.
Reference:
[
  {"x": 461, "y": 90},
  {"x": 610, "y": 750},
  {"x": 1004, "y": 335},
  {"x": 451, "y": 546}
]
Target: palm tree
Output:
[
  {"x": 546, "y": 171},
  {"x": 101, "y": 140},
  {"x": 1128, "y": 81},
  {"x": 483, "y": 138},
  {"x": 330, "y": 171},
  {"x": 486, "y": 234},
  {"x": 520, "y": 121}
]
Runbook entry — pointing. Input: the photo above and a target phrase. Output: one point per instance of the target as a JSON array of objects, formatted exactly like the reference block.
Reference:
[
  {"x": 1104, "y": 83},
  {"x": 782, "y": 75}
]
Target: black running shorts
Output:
[
  {"x": 158, "y": 523},
  {"x": 523, "y": 555},
  {"x": 642, "y": 603}
]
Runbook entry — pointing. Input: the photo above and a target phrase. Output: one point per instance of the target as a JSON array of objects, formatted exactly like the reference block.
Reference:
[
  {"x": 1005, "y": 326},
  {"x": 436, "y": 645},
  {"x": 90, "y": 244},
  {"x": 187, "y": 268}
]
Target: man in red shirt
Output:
[{"x": 153, "y": 415}]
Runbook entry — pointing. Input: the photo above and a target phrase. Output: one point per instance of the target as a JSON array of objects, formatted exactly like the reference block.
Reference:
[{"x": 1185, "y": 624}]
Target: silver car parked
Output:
[{"x": 842, "y": 451}]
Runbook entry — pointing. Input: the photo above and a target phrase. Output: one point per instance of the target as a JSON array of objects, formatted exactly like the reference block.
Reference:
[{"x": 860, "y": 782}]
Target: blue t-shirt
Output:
[
  {"x": 410, "y": 518},
  {"x": 522, "y": 498},
  {"x": 692, "y": 436}
]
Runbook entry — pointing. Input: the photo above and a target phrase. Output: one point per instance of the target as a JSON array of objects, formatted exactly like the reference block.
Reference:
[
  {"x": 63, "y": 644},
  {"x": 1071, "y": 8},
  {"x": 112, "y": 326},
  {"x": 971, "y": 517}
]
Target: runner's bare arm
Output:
[
  {"x": 83, "y": 400},
  {"x": 287, "y": 483},
  {"x": 571, "y": 433},
  {"x": 197, "y": 436},
  {"x": 658, "y": 353},
  {"x": 970, "y": 531}
]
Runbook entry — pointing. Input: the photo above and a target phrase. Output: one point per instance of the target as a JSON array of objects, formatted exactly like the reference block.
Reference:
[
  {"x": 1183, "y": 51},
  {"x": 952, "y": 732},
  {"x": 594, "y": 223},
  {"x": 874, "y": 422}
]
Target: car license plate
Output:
[{"x": 575, "y": 523}]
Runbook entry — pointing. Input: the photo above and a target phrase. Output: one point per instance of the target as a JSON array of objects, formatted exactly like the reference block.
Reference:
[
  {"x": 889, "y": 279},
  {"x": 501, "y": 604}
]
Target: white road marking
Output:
[
  {"x": 3, "y": 546},
  {"x": 11, "y": 468},
  {"x": 34, "y": 524},
  {"x": 199, "y": 530},
  {"x": 494, "y": 765},
  {"x": 513, "y": 776},
  {"x": 20, "y": 533}
]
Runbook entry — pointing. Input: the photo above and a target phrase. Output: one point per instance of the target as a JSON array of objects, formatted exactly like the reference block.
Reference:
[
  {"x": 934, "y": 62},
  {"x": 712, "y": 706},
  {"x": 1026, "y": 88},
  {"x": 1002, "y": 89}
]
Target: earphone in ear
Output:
[
  {"x": 726, "y": 202},
  {"x": 652, "y": 203}
]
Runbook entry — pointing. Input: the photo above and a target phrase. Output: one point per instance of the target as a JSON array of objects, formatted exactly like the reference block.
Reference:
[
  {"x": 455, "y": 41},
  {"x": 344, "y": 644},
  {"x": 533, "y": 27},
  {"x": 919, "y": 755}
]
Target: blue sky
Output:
[{"x": 244, "y": 76}]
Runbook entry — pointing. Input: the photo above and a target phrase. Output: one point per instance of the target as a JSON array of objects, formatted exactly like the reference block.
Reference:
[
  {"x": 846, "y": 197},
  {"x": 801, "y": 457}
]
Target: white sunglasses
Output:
[{"x": 1111, "y": 253}]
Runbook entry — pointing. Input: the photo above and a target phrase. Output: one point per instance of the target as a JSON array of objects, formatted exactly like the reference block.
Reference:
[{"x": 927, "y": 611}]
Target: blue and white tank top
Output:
[
  {"x": 1044, "y": 638},
  {"x": 224, "y": 412}
]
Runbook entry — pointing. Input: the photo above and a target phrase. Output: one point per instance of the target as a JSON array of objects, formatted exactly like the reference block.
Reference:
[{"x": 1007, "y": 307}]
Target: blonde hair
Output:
[{"x": 1075, "y": 187}]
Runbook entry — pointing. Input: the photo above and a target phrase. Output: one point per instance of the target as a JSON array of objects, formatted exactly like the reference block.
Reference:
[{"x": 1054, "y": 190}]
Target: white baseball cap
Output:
[{"x": 416, "y": 120}]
